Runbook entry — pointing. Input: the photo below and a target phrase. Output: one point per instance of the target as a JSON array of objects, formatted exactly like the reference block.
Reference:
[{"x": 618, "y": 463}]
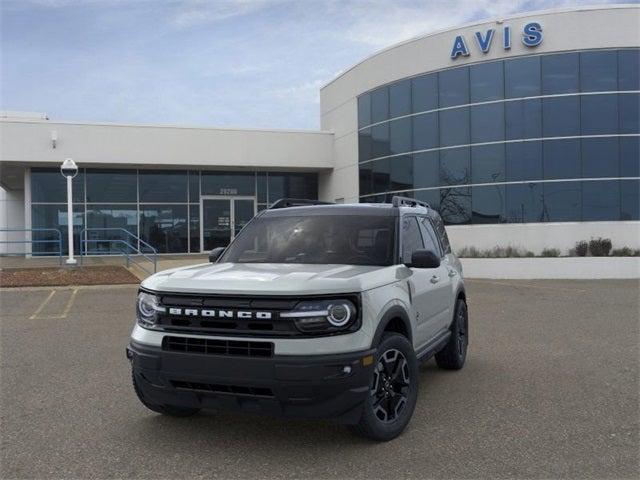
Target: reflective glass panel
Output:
[
  {"x": 165, "y": 227},
  {"x": 400, "y": 135},
  {"x": 561, "y": 116},
  {"x": 599, "y": 114},
  {"x": 522, "y": 77},
  {"x": 116, "y": 186},
  {"x": 424, "y": 92},
  {"x": 401, "y": 173},
  {"x": 453, "y": 87},
  {"x": 523, "y": 161},
  {"x": 293, "y": 185},
  {"x": 49, "y": 186},
  {"x": 454, "y": 127},
  {"x": 426, "y": 168},
  {"x": 194, "y": 227},
  {"x": 487, "y": 81},
  {"x": 425, "y": 131},
  {"x": 630, "y": 200},
  {"x": 163, "y": 186},
  {"x": 454, "y": 166},
  {"x": 455, "y": 205},
  {"x": 432, "y": 197},
  {"x": 55, "y": 217},
  {"x": 380, "y": 140},
  {"x": 524, "y": 203},
  {"x": 381, "y": 175},
  {"x": 599, "y": 71},
  {"x": 487, "y": 123},
  {"x": 114, "y": 218},
  {"x": 261, "y": 186},
  {"x": 365, "y": 145},
  {"x": 364, "y": 110},
  {"x": 228, "y": 183},
  {"x": 523, "y": 119},
  {"x": 400, "y": 98},
  {"x": 600, "y": 157},
  {"x": 194, "y": 186},
  {"x": 629, "y": 69},
  {"x": 629, "y": 113},
  {"x": 600, "y": 200},
  {"x": 379, "y": 104},
  {"x": 560, "y": 73},
  {"x": 630, "y": 156},
  {"x": 488, "y": 204},
  {"x": 561, "y": 159},
  {"x": 487, "y": 164},
  {"x": 562, "y": 202},
  {"x": 366, "y": 178}
]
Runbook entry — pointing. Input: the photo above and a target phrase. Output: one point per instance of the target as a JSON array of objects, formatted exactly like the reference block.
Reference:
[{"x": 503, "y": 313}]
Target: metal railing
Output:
[
  {"x": 31, "y": 241},
  {"x": 132, "y": 247}
]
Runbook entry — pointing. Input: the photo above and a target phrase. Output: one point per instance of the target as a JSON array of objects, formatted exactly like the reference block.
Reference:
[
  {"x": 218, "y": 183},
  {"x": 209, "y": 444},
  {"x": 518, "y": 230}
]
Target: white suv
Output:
[{"x": 320, "y": 311}]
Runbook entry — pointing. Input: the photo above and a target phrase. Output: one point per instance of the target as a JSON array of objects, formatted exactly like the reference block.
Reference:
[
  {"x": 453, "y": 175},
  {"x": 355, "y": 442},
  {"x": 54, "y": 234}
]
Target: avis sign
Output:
[{"x": 531, "y": 37}]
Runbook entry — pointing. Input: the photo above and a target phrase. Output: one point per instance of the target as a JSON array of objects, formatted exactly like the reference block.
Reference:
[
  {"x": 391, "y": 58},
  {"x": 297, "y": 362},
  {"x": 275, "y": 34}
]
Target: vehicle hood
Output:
[{"x": 271, "y": 278}]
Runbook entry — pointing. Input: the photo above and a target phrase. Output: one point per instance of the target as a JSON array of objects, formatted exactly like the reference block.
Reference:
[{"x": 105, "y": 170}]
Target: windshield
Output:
[{"x": 322, "y": 239}]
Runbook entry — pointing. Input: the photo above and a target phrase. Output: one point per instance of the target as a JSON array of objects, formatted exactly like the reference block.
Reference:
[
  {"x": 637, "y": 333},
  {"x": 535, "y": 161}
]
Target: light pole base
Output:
[{"x": 71, "y": 261}]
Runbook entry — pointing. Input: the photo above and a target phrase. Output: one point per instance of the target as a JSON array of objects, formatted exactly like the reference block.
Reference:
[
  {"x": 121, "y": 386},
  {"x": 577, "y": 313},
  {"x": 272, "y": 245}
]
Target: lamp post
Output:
[{"x": 69, "y": 170}]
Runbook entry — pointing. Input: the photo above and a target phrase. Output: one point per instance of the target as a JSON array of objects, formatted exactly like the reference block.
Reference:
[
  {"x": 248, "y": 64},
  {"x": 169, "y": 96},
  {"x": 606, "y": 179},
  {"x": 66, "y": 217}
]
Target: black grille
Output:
[
  {"x": 208, "y": 346},
  {"x": 230, "y": 389}
]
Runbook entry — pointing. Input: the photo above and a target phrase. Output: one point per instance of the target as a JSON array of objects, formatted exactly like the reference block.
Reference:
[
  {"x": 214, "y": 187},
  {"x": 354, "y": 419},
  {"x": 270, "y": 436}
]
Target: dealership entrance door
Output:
[{"x": 221, "y": 218}]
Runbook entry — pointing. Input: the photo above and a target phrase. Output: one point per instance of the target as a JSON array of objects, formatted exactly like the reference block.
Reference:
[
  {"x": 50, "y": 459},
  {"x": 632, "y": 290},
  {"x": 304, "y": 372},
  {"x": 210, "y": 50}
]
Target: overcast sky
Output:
[{"x": 243, "y": 63}]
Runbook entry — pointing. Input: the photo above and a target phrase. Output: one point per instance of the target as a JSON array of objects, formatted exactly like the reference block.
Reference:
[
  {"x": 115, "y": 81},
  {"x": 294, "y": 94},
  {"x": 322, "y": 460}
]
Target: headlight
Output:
[
  {"x": 324, "y": 316},
  {"x": 147, "y": 309}
]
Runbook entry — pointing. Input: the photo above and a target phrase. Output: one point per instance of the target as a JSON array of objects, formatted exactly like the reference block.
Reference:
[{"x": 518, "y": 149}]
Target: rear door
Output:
[
  {"x": 423, "y": 283},
  {"x": 443, "y": 287}
]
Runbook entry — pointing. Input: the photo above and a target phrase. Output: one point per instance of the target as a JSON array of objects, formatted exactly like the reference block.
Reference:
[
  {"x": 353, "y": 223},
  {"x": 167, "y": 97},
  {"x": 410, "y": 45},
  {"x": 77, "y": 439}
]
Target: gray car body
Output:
[{"x": 423, "y": 299}]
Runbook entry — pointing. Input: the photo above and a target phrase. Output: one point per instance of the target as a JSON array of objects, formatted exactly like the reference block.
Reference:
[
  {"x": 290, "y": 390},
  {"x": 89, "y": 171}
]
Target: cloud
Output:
[{"x": 190, "y": 13}]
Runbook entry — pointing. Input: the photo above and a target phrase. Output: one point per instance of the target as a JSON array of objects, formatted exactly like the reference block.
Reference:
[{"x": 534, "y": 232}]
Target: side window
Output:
[
  {"x": 442, "y": 234},
  {"x": 411, "y": 238},
  {"x": 429, "y": 236}
]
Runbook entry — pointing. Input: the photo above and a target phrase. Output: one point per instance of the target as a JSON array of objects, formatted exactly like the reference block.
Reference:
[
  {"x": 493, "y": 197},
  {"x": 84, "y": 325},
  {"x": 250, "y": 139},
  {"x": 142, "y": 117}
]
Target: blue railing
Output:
[
  {"x": 57, "y": 241},
  {"x": 133, "y": 247}
]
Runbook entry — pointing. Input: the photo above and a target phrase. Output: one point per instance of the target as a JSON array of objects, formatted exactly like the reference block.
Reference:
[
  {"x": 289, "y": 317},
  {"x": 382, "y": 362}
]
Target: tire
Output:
[
  {"x": 393, "y": 392},
  {"x": 454, "y": 354},
  {"x": 169, "y": 410}
]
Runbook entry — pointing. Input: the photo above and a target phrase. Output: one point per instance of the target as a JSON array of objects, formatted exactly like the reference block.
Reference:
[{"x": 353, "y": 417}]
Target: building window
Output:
[
  {"x": 400, "y": 99},
  {"x": 560, "y": 73},
  {"x": 165, "y": 227},
  {"x": 453, "y": 87},
  {"x": 424, "y": 93},
  {"x": 163, "y": 186},
  {"x": 598, "y": 71},
  {"x": 487, "y": 81},
  {"x": 112, "y": 186},
  {"x": 522, "y": 77}
]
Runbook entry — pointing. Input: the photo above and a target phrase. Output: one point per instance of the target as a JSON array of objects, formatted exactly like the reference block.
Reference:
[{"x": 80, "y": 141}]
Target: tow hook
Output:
[{"x": 129, "y": 354}]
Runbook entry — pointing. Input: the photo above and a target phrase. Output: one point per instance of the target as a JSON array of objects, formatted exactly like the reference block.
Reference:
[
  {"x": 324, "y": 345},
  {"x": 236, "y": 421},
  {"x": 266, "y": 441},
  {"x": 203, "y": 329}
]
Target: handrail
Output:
[
  {"x": 151, "y": 256},
  {"x": 32, "y": 241}
]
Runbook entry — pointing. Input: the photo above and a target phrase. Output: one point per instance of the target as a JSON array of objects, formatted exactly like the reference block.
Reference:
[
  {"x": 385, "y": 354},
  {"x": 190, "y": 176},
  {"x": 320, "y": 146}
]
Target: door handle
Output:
[
  {"x": 434, "y": 279},
  {"x": 452, "y": 273}
]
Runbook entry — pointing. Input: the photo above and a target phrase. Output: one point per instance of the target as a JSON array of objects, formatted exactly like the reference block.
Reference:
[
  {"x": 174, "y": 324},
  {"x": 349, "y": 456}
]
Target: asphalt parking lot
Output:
[{"x": 550, "y": 390}]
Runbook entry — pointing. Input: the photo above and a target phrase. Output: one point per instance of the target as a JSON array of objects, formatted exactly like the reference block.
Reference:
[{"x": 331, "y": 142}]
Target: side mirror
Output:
[
  {"x": 215, "y": 254},
  {"x": 424, "y": 259}
]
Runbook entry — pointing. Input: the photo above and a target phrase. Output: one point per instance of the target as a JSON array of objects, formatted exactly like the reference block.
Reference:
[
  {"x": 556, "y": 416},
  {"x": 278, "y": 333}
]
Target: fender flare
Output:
[{"x": 396, "y": 311}]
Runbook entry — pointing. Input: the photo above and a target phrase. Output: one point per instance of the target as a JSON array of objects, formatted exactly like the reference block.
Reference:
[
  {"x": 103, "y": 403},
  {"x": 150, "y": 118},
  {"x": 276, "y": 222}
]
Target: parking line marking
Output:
[
  {"x": 42, "y": 305},
  {"x": 62, "y": 315}
]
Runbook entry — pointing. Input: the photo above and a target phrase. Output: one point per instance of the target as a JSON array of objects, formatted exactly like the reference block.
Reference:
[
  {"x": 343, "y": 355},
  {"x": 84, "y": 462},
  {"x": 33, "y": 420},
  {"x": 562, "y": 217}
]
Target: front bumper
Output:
[{"x": 311, "y": 386}]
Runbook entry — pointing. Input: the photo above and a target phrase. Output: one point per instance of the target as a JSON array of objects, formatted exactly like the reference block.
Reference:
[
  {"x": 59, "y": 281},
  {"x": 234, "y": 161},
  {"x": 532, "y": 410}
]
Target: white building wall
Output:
[{"x": 11, "y": 217}]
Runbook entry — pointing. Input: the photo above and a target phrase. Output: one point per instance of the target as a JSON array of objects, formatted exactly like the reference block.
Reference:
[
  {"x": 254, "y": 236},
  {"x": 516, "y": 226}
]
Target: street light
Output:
[{"x": 69, "y": 169}]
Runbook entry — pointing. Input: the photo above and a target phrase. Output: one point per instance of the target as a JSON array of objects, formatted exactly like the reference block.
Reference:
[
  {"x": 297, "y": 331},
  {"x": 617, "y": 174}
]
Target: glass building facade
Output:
[
  {"x": 541, "y": 138},
  {"x": 161, "y": 207}
]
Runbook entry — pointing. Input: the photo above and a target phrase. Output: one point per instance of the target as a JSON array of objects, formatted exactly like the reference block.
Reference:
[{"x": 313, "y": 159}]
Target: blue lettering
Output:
[
  {"x": 532, "y": 34},
  {"x": 485, "y": 43},
  {"x": 459, "y": 48},
  {"x": 506, "y": 38}
]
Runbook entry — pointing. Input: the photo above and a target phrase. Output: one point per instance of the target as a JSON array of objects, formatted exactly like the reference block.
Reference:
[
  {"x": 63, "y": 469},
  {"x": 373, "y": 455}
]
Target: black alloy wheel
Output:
[{"x": 390, "y": 387}]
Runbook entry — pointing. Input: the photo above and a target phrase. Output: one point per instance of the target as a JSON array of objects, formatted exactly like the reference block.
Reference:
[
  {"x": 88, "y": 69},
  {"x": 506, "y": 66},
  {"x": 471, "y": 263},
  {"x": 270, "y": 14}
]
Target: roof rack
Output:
[
  {"x": 398, "y": 201},
  {"x": 296, "y": 202}
]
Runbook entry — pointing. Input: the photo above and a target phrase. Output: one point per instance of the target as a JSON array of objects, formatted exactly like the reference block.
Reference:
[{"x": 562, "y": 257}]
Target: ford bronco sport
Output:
[{"x": 321, "y": 311}]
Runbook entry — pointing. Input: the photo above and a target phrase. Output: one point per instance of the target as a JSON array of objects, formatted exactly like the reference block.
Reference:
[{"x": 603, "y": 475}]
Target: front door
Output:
[{"x": 222, "y": 218}]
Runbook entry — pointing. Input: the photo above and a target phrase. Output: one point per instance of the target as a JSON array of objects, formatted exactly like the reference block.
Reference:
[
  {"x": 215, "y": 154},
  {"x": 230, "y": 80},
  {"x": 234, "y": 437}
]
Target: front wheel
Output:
[
  {"x": 454, "y": 354},
  {"x": 393, "y": 390}
]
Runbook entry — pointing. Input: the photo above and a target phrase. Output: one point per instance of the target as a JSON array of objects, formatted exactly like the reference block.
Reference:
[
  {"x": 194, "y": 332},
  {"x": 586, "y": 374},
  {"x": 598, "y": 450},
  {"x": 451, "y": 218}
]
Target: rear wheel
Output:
[
  {"x": 170, "y": 410},
  {"x": 393, "y": 390},
  {"x": 454, "y": 354}
]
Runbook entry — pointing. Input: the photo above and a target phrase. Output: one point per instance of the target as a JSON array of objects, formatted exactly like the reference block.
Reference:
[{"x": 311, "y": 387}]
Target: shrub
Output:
[
  {"x": 550, "y": 252},
  {"x": 625, "y": 252},
  {"x": 600, "y": 247},
  {"x": 581, "y": 248}
]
